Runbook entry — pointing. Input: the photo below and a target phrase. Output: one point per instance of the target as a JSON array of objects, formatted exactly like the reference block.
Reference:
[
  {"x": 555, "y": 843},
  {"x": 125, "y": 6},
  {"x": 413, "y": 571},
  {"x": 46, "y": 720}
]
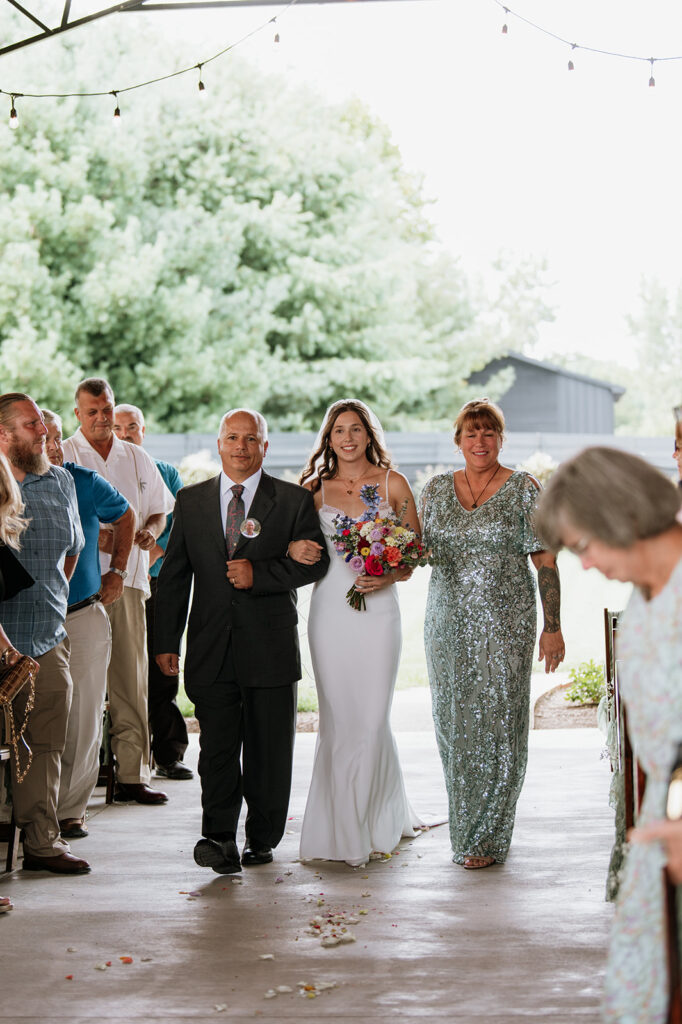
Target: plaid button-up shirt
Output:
[{"x": 34, "y": 618}]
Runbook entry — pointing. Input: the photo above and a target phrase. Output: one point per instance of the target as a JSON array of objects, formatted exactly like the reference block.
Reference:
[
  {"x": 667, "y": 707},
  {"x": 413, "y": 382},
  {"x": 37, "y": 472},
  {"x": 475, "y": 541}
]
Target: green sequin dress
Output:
[{"x": 479, "y": 634}]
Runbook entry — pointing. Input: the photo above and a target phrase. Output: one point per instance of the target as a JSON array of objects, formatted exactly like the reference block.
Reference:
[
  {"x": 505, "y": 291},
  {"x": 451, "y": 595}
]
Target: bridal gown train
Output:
[{"x": 357, "y": 802}]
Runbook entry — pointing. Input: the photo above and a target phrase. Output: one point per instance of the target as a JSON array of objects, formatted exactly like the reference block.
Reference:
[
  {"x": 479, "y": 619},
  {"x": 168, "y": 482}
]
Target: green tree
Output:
[{"x": 260, "y": 248}]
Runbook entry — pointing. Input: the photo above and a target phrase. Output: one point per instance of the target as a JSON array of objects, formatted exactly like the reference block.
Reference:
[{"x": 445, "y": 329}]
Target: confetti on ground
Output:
[
  {"x": 270, "y": 994},
  {"x": 278, "y": 880},
  {"x": 147, "y": 959},
  {"x": 69, "y": 977},
  {"x": 282, "y": 989},
  {"x": 311, "y": 991},
  {"x": 365, "y": 893},
  {"x": 102, "y": 967},
  {"x": 220, "y": 1007},
  {"x": 196, "y": 894},
  {"x": 333, "y": 929},
  {"x": 288, "y": 872},
  {"x": 266, "y": 956},
  {"x": 71, "y": 949},
  {"x": 380, "y": 856},
  {"x": 126, "y": 959},
  {"x": 236, "y": 881}
]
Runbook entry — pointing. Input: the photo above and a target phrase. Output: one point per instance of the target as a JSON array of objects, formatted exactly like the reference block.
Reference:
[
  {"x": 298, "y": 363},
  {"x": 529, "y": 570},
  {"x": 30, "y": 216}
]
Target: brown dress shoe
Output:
[
  {"x": 139, "y": 792},
  {"x": 61, "y": 864}
]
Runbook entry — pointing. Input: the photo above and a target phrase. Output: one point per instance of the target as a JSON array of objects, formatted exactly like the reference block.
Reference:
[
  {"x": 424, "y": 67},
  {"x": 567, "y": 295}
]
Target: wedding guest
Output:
[
  {"x": 132, "y": 472},
  {"x": 479, "y": 631},
  {"x": 166, "y": 723},
  {"x": 618, "y": 514},
  {"x": 357, "y": 802},
  {"x": 89, "y": 632},
  {"x": 12, "y": 575},
  {"x": 34, "y": 620}
]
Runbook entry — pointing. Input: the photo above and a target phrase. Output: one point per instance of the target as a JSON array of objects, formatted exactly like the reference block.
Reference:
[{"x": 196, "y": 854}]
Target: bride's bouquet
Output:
[{"x": 375, "y": 544}]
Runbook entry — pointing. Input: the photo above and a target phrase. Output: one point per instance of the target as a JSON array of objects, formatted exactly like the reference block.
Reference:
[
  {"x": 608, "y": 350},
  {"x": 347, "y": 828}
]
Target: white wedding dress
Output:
[{"x": 357, "y": 802}]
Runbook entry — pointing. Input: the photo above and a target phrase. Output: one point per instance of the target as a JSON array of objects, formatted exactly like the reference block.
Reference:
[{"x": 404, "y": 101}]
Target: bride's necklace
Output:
[
  {"x": 481, "y": 493},
  {"x": 352, "y": 481}
]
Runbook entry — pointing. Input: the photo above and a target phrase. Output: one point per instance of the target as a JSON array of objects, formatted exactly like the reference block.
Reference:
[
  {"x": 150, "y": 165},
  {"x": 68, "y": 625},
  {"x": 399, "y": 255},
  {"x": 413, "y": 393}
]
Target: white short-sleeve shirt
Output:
[{"x": 130, "y": 469}]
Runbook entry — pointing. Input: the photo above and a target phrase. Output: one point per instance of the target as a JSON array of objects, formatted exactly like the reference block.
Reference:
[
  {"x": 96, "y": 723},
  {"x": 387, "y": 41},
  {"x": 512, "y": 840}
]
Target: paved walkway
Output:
[{"x": 523, "y": 941}]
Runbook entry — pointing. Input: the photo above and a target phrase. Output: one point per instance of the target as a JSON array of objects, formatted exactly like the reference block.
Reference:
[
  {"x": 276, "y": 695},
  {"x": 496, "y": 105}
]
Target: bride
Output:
[{"x": 357, "y": 801}]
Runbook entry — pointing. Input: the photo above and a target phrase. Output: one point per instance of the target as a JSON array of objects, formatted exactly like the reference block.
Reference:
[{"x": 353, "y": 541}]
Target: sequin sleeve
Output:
[{"x": 530, "y": 492}]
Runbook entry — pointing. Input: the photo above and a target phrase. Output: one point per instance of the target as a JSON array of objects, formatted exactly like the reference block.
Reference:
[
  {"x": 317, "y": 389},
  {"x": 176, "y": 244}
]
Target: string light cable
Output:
[
  {"x": 16, "y": 93},
  {"x": 509, "y": 13}
]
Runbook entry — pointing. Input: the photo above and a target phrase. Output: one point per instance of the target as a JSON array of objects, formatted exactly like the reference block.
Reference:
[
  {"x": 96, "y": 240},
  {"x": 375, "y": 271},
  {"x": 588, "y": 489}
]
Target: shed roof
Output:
[{"x": 616, "y": 389}]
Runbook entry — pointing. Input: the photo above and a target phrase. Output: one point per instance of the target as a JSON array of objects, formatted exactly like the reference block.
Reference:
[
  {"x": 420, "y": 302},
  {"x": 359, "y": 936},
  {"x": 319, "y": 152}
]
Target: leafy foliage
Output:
[
  {"x": 265, "y": 250},
  {"x": 587, "y": 683}
]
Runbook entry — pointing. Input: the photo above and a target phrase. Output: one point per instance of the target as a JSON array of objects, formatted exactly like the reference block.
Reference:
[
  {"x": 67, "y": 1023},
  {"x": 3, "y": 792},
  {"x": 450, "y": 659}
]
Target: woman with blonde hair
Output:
[
  {"x": 619, "y": 515},
  {"x": 13, "y": 577},
  {"x": 479, "y": 631}
]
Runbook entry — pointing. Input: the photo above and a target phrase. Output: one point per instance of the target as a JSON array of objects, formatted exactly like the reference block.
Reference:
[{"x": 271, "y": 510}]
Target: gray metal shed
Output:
[{"x": 551, "y": 398}]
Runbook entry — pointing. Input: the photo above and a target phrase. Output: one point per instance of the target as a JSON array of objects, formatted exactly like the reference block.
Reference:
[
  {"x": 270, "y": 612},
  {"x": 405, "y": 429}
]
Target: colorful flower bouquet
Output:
[{"x": 375, "y": 544}]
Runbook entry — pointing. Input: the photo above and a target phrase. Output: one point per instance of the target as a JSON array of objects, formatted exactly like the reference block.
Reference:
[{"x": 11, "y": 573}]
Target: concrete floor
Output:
[{"x": 523, "y": 941}]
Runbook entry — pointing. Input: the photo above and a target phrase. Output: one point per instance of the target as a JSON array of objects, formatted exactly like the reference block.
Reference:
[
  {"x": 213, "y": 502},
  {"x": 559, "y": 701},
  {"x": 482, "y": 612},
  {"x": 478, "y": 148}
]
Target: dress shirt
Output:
[
  {"x": 34, "y": 618},
  {"x": 98, "y": 502},
  {"x": 133, "y": 472},
  {"x": 173, "y": 482},
  {"x": 250, "y": 486}
]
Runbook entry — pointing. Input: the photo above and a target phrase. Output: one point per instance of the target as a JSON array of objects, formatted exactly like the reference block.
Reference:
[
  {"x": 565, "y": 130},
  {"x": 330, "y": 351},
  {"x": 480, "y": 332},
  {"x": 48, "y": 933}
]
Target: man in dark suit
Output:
[{"x": 229, "y": 538}]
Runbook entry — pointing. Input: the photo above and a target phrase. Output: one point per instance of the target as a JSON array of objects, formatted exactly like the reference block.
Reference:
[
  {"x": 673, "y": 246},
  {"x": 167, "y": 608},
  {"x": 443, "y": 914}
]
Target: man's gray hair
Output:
[
  {"x": 94, "y": 386},
  {"x": 258, "y": 417},
  {"x": 52, "y": 417},
  {"x": 134, "y": 410}
]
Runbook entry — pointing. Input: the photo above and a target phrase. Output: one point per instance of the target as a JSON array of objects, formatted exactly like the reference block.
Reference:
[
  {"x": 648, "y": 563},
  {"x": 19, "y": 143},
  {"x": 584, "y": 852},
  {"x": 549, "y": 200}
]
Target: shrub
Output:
[{"x": 587, "y": 683}]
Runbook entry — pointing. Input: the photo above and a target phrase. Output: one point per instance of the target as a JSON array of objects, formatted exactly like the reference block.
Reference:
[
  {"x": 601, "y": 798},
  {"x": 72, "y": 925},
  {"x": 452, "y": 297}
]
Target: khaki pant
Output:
[
  {"x": 35, "y": 799},
  {"x": 90, "y": 638},
  {"x": 127, "y": 686}
]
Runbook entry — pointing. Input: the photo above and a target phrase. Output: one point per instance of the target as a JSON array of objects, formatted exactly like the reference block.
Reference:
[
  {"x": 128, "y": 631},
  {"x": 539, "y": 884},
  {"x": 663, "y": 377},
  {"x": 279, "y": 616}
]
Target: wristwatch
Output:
[{"x": 119, "y": 572}]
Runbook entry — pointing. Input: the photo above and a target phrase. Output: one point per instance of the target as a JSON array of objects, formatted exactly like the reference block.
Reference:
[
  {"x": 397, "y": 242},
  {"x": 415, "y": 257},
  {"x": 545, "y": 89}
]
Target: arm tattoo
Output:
[{"x": 550, "y": 595}]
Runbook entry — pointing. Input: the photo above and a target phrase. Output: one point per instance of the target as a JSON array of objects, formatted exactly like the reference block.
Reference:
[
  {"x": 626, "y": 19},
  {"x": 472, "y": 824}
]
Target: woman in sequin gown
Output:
[
  {"x": 631, "y": 534},
  {"x": 357, "y": 802},
  {"x": 480, "y": 629}
]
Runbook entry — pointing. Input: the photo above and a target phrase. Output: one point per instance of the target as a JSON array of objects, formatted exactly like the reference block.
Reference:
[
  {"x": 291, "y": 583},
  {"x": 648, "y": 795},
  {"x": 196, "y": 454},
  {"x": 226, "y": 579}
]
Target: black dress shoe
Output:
[
  {"x": 221, "y": 855},
  {"x": 139, "y": 792},
  {"x": 176, "y": 770},
  {"x": 61, "y": 864},
  {"x": 73, "y": 828},
  {"x": 255, "y": 853}
]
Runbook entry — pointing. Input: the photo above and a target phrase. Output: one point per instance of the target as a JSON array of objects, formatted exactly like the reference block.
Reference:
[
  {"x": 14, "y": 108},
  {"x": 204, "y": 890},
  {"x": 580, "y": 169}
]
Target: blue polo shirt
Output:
[
  {"x": 173, "y": 482},
  {"x": 98, "y": 502},
  {"x": 34, "y": 618}
]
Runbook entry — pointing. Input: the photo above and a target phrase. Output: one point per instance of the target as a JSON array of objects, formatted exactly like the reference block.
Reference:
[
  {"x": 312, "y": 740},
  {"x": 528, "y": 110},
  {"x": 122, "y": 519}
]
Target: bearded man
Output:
[{"x": 34, "y": 621}]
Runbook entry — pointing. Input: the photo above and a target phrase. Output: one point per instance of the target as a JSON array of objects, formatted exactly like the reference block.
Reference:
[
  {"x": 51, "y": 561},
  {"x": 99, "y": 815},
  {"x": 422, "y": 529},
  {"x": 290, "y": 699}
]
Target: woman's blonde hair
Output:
[
  {"x": 479, "y": 412},
  {"x": 12, "y": 522},
  {"x": 613, "y": 496}
]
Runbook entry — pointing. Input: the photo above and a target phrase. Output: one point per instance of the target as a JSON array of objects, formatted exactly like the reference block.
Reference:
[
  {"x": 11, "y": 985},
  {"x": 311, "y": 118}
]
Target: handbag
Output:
[{"x": 13, "y": 678}]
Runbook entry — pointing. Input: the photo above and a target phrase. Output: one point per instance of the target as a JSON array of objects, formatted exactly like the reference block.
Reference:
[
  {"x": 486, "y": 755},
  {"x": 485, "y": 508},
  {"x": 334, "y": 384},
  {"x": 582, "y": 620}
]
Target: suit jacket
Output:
[{"x": 260, "y": 622}]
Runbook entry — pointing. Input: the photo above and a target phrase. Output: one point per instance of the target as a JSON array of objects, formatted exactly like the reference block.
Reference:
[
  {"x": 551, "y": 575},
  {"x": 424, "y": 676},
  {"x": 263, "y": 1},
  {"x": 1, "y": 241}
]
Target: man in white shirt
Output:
[{"x": 135, "y": 475}]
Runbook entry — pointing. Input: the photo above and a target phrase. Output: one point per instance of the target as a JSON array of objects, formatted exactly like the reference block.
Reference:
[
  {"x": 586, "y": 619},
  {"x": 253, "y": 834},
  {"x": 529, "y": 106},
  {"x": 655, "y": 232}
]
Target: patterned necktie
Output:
[{"x": 236, "y": 513}]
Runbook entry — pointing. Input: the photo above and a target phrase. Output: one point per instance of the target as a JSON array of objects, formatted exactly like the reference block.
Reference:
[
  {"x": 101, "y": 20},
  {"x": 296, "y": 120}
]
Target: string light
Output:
[
  {"x": 151, "y": 81},
  {"x": 13, "y": 117},
  {"x": 575, "y": 46},
  {"x": 274, "y": 22}
]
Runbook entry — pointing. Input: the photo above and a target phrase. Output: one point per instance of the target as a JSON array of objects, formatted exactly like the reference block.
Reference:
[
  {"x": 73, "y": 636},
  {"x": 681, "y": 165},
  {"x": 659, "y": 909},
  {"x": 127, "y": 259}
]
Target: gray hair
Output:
[
  {"x": 134, "y": 410},
  {"x": 52, "y": 417},
  {"x": 94, "y": 386},
  {"x": 613, "y": 496},
  {"x": 258, "y": 417}
]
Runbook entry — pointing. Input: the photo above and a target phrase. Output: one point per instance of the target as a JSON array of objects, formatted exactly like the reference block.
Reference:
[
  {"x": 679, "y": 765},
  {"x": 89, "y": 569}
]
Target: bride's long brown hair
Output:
[{"x": 323, "y": 464}]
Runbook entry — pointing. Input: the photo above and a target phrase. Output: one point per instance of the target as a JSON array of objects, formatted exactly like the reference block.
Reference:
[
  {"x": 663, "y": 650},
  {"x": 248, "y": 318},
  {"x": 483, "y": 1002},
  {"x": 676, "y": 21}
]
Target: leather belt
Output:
[{"x": 82, "y": 604}]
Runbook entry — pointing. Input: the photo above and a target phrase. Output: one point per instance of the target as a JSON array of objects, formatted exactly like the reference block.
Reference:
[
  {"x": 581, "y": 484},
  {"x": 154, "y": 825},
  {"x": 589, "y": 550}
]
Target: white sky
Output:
[{"x": 582, "y": 167}]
